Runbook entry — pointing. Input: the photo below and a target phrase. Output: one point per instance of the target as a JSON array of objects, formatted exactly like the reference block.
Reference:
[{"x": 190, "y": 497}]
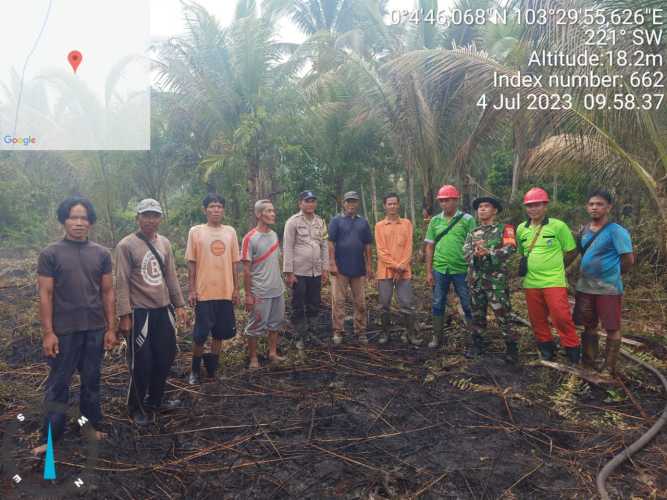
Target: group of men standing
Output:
[{"x": 79, "y": 309}]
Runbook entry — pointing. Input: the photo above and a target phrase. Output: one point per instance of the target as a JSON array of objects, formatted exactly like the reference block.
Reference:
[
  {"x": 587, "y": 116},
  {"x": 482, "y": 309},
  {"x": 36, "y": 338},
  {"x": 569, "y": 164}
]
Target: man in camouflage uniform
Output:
[{"x": 487, "y": 249}]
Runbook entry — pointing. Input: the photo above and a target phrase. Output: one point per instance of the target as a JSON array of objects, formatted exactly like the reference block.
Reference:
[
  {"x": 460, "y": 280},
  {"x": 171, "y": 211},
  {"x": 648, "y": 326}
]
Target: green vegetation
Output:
[{"x": 360, "y": 104}]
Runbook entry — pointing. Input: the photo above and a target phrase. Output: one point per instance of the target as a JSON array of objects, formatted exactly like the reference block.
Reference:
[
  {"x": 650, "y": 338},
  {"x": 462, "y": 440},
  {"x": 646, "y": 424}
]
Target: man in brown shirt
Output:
[
  {"x": 76, "y": 309},
  {"x": 147, "y": 292},
  {"x": 393, "y": 241},
  {"x": 305, "y": 263}
]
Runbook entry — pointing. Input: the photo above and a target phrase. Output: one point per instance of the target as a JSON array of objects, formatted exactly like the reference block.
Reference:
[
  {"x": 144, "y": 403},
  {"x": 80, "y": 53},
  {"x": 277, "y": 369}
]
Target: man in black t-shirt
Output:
[{"x": 76, "y": 308}]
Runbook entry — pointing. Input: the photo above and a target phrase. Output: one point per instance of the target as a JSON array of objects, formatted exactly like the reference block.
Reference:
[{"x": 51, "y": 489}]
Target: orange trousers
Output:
[{"x": 545, "y": 303}]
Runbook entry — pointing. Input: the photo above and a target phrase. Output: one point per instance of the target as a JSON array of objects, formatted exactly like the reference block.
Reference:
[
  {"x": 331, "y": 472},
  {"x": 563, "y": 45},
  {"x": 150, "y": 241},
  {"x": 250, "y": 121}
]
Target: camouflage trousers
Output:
[{"x": 499, "y": 300}]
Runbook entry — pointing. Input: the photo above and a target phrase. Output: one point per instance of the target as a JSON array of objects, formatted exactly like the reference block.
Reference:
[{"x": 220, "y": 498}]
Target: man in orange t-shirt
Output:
[
  {"x": 393, "y": 240},
  {"x": 212, "y": 254}
]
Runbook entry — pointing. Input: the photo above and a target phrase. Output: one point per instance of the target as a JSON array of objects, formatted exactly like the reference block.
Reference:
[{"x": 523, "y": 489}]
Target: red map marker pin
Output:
[{"x": 74, "y": 59}]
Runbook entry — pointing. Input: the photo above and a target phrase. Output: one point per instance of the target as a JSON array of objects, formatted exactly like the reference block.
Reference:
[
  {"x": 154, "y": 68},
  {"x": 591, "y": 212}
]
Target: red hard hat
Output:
[
  {"x": 536, "y": 195},
  {"x": 448, "y": 191}
]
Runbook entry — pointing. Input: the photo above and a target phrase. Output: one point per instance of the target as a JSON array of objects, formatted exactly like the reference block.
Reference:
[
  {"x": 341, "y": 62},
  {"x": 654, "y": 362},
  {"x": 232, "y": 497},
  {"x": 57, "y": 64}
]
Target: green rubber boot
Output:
[
  {"x": 386, "y": 321},
  {"x": 438, "y": 324},
  {"x": 611, "y": 357},
  {"x": 589, "y": 345},
  {"x": 409, "y": 333}
]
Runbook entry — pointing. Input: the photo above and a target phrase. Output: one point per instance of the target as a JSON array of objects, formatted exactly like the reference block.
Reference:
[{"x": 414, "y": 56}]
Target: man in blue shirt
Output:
[
  {"x": 606, "y": 250},
  {"x": 349, "y": 263}
]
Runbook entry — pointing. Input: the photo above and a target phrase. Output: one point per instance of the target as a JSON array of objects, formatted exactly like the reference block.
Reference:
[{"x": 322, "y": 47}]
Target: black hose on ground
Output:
[{"x": 640, "y": 443}]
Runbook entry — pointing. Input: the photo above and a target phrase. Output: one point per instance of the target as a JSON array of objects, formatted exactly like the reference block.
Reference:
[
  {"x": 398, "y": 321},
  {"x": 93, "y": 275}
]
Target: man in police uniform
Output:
[
  {"x": 487, "y": 249},
  {"x": 305, "y": 263}
]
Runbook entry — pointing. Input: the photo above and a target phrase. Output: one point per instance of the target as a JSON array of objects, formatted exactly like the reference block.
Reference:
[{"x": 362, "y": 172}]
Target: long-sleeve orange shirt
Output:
[{"x": 393, "y": 240}]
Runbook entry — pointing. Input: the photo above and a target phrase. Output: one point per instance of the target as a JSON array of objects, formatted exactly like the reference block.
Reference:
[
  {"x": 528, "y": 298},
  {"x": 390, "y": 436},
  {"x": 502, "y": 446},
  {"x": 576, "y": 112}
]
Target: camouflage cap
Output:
[{"x": 149, "y": 205}]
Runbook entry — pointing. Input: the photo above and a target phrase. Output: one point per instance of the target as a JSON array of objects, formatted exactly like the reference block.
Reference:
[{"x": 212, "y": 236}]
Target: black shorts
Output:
[{"x": 216, "y": 317}]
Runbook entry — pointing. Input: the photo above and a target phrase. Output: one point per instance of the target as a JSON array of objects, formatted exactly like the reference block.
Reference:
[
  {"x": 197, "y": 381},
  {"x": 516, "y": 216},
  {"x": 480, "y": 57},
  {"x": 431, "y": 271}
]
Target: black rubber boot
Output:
[
  {"x": 143, "y": 419},
  {"x": 211, "y": 362},
  {"x": 547, "y": 350},
  {"x": 511, "y": 353},
  {"x": 386, "y": 322},
  {"x": 194, "y": 378},
  {"x": 477, "y": 348},
  {"x": 589, "y": 345},
  {"x": 573, "y": 354}
]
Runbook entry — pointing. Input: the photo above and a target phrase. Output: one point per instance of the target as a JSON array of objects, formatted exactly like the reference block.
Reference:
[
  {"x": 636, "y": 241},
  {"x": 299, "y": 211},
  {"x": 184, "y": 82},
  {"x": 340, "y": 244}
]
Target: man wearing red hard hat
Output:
[
  {"x": 445, "y": 263},
  {"x": 547, "y": 247}
]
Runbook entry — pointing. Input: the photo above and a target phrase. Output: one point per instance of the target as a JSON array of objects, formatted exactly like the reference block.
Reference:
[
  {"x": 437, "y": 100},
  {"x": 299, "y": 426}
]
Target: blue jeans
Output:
[
  {"x": 82, "y": 351},
  {"x": 441, "y": 288}
]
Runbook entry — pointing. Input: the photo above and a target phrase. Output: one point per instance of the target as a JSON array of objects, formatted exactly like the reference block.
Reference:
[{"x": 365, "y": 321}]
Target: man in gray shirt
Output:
[
  {"x": 305, "y": 263},
  {"x": 147, "y": 292},
  {"x": 263, "y": 283},
  {"x": 76, "y": 309}
]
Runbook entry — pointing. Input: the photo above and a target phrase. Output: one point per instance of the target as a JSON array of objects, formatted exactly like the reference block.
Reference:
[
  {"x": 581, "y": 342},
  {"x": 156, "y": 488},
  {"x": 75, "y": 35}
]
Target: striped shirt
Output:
[{"x": 262, "y": 250}]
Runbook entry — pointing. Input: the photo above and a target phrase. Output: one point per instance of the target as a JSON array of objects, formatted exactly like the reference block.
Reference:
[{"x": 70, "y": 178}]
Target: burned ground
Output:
[{"x": 349, "y": 421}]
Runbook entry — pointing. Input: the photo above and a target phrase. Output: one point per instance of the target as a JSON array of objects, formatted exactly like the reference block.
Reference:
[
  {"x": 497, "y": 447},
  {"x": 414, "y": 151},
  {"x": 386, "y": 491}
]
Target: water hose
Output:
[{"x": 640, "y": 443}]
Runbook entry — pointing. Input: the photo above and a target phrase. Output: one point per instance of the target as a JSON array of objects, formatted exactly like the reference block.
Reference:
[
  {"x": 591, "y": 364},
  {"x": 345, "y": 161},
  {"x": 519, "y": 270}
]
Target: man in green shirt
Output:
[
  {"x": 548, "y": 246},
  {"x": 445, "y": 263}
]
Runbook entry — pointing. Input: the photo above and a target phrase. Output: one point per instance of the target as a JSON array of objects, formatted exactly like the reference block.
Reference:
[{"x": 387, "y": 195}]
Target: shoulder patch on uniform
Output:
[{"x": 509, "y": 237}]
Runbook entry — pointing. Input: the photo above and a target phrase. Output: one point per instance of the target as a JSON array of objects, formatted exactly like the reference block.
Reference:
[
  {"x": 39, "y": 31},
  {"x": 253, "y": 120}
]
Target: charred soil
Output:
[{"x": 348, "y": 421}]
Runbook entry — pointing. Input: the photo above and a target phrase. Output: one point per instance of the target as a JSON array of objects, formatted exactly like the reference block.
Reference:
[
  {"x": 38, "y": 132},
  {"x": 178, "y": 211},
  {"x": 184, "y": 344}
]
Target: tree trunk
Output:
[
  {"x": 411, "y": 189},
  {"x": 555, "y": 188},
  {"x": 107, "y": 196},
  {"x": 374, "y": 198},
  {"x": 252, "y": 177},
  {"x": 427, "y": 189},
  {"x": 661, "y": 195},
  {"x": 519, "y": 153},
  {"x": 363, "y": 202},
  {"x": 339, "y": 193}
]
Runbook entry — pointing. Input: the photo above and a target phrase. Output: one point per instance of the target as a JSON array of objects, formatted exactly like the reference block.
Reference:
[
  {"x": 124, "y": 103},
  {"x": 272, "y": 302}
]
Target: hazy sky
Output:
[
  {"x": 167, "y": 16},
  {"x": 39, "y": 39}
]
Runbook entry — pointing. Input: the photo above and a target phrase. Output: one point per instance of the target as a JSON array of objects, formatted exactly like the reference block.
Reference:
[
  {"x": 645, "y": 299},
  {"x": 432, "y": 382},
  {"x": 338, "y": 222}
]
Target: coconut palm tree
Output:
[
  {"x": 227, "y": 82},
  {"x": 613, "y": 140}
]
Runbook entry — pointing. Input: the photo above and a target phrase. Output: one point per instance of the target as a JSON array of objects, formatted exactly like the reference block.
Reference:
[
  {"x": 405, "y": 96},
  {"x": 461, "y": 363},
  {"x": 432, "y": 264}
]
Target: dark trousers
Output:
[
  {"x": 151, "y": 353},
  {"x": 82, "y": 351},
  {"x": 306, "y": 298}
]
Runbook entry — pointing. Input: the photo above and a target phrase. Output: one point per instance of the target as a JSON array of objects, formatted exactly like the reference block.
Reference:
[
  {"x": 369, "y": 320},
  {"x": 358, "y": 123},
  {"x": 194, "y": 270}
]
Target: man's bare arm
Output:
[
  {"x": 627, "y": 261},
  {"x": 333, "y": 269},
  {"x": 571, "y": 256},
  {"x": 247, "y": 285},
  {"x": 45, "y": 285},
  {"x": 50, "y": 341},
  {"x": 237, "y": 282},
  {"x": 192, "y": 283},
  {"x": 429, "y": 257},
  {"x": 109, "y": 301}
]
